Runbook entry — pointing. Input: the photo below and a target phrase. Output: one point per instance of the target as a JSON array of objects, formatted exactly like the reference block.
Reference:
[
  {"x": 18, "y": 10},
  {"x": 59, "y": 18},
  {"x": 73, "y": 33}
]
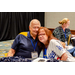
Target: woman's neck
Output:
[
  {"x": 46, "y": 44},
  {"x": 63, "y": 27}
]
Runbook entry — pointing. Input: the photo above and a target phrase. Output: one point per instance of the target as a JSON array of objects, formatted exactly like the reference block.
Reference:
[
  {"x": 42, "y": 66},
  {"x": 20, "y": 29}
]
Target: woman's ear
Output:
[{"x": 64, "y": 24}]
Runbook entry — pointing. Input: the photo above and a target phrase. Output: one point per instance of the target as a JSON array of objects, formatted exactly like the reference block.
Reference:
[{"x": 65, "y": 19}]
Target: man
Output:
[{"x": 26, "y": 46}]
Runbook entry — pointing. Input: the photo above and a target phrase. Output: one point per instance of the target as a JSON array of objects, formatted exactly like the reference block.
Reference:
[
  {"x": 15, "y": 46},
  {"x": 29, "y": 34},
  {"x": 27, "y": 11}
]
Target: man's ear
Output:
[{"x": 29, "y": 27}]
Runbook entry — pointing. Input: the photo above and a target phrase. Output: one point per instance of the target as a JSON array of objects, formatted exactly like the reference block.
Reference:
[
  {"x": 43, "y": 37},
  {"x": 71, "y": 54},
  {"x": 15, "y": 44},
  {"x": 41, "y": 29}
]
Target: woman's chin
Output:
[{"x": 41, "y": 41}]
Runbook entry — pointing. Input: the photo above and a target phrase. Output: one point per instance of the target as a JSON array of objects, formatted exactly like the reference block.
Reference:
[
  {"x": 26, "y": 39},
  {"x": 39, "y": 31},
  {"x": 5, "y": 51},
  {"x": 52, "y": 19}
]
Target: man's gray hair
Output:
[{"x": 34, "y": 20}]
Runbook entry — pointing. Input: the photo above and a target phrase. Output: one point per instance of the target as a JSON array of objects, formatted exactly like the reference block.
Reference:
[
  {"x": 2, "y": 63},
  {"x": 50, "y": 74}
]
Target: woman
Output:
[
  {"x": 62, "y": 33},
  {"x": 54, "y": 47}
]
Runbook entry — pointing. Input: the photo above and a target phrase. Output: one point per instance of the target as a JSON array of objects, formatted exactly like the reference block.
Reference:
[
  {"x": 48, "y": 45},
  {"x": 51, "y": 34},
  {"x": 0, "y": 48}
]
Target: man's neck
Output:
[{"x": 33, "y": 36}]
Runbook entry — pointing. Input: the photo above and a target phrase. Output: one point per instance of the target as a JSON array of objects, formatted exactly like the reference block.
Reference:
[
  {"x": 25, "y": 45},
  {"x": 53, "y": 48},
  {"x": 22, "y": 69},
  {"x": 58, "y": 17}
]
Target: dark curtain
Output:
[{"x": 12, "y": 23}]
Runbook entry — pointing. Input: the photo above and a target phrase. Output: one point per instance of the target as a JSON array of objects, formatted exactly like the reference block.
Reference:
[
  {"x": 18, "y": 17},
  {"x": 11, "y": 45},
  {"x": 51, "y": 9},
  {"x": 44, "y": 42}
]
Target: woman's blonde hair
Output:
[{"x": 65, "y": 20}]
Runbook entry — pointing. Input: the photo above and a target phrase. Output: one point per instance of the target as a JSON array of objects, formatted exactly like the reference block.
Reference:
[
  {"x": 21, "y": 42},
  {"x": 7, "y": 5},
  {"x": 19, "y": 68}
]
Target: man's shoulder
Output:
[
  {"x": 21, "y": 36},
  {"x": 24, "y": 33}
]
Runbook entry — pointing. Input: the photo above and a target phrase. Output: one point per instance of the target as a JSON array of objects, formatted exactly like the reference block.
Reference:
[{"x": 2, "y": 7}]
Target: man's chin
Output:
[{"x": 35, "y": 34}]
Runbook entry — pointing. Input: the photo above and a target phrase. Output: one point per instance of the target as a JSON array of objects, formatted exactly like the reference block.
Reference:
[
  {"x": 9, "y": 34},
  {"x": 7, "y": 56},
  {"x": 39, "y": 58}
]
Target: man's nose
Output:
[{"x": 36, "y": 29}]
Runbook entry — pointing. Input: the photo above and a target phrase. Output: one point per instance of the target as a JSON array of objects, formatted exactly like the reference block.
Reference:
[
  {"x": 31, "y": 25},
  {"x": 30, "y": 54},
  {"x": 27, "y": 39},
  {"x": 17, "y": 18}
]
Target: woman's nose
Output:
[{"x": 40, "y": 36}]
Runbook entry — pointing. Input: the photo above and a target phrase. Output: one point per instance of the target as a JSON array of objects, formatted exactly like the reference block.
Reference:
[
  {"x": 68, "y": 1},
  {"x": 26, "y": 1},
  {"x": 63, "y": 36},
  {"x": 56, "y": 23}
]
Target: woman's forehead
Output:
[{"x": 42, "y": 31}]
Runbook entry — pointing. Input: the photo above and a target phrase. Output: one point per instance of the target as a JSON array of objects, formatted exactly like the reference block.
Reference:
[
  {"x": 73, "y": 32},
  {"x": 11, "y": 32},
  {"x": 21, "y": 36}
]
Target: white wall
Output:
[{"x": 52, "y": 19}]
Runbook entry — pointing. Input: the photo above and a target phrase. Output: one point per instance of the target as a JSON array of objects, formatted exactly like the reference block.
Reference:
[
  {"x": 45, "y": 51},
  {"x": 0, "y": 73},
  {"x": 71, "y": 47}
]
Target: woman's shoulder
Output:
[
  {"x": 54, "y": 41},
  {"x": 58, "y": 29},
  {"x": 67, "y": 29}
]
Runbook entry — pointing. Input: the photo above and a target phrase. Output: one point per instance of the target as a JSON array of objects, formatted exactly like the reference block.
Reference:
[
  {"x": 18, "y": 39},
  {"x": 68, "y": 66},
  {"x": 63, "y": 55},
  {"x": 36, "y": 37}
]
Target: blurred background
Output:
[{"x": 12, "y": 23}]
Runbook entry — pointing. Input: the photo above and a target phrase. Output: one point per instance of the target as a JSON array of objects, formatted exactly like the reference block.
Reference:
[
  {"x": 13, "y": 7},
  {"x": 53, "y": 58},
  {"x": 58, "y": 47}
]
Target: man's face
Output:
[{"x": 34, "y": 27}]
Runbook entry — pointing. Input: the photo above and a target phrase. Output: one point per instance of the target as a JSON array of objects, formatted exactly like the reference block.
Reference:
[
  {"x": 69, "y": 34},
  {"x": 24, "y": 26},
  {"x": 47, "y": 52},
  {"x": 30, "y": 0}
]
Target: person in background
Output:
[
  {"x": 62, "y": 33},
  {"x": 55, "y": 49}
]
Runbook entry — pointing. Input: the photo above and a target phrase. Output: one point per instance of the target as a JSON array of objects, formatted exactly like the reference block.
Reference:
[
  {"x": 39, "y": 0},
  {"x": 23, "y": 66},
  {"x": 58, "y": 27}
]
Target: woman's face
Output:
[
  {"x": 67, "y": 24},
  {"x": 42, "y": 36}
]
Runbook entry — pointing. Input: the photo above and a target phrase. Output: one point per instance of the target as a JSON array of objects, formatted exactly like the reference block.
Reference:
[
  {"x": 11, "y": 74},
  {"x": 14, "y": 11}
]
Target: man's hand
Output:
[{"x": 11, "y": 52}]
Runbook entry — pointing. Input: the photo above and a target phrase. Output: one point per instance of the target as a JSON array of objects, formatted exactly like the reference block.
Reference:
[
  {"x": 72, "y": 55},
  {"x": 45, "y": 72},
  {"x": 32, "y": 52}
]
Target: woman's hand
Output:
[
  {"x": 63, "y": 44},
  {"x": 72, "y": 35},
  {"x": 64, "y": 57}
]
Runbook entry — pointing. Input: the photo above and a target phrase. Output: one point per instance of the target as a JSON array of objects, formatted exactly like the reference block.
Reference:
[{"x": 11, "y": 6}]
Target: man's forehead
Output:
[{"x": 35, "y": 22}]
